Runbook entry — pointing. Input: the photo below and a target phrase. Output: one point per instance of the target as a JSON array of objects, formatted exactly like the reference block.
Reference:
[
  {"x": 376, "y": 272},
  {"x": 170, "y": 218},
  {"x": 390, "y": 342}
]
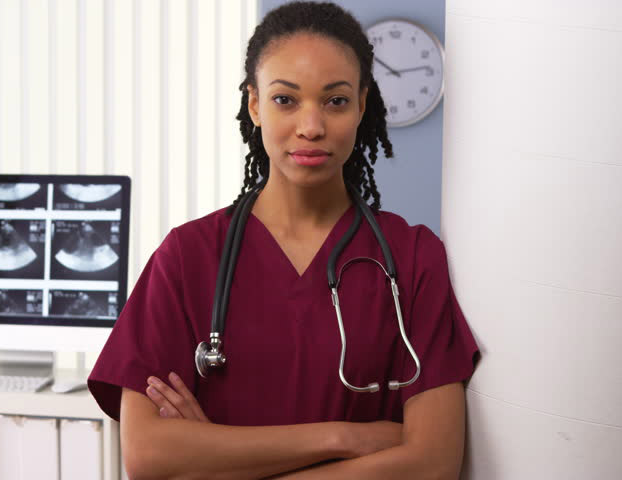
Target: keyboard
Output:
[{"x": 23, "y": 384}]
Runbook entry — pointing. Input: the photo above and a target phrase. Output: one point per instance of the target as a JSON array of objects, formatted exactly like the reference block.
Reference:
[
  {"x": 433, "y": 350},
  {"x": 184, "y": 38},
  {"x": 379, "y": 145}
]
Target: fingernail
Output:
[
  {"x": 163, "y": 412},
  {"x": 174, "y": 376}
]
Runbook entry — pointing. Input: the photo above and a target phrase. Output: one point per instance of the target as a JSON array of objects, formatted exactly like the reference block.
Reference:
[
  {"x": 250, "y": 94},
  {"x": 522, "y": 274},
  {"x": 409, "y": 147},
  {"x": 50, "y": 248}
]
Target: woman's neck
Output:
[{"x": 293, "y": 208}]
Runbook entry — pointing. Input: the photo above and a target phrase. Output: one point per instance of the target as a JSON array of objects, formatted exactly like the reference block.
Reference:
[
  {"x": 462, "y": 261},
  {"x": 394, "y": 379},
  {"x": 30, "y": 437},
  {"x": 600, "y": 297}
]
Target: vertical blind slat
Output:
[
  {"x": 67, "y": 92},
  {"x": 207, "y": 127},
  {"x": 94, "y": 88},
  {"x": 177, "y": 113},
  {"x": 10, "y": 87},
  {"x": 37, "y": 56}
]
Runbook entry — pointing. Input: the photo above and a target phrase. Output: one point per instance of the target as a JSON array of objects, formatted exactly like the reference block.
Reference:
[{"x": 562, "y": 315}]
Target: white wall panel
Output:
[{"x": 531, "y": 221}]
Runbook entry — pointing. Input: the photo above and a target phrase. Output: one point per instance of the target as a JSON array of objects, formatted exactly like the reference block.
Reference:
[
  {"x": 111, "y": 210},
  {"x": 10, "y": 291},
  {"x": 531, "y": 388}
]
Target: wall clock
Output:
[{"x": 408, "y": 67}]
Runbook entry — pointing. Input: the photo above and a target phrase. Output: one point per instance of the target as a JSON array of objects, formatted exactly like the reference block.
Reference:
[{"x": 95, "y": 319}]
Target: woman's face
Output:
[{"x": 308, "y": 98}]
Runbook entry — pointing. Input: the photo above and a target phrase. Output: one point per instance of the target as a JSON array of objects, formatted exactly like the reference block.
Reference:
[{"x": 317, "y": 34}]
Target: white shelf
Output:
[{"x": 49, "y": 404}]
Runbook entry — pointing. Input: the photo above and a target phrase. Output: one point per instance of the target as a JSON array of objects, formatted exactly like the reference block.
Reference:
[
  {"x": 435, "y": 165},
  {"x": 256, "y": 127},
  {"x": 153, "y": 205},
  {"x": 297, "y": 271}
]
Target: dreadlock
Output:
[{"x": 329, "y": 20}]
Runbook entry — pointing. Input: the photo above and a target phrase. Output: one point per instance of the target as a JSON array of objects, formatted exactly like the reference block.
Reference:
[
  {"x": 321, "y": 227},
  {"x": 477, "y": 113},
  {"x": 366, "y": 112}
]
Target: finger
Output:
[
  {"x": 174, "y": 398},
  {"x": 165, "y": 407},
  {"x": 179, "y": 384}
]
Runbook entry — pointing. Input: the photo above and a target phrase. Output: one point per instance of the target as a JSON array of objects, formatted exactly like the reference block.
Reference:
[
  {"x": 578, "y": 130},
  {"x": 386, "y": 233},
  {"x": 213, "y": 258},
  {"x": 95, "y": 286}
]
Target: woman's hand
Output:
[{"x": 174, "y": 403}]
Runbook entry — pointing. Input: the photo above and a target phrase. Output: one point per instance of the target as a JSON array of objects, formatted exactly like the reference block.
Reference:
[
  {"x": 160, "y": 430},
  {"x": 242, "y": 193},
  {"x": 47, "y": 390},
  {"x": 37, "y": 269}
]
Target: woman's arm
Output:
[
  {"x": 432, "y": 447},
  {"x": 155, "y": 447}
]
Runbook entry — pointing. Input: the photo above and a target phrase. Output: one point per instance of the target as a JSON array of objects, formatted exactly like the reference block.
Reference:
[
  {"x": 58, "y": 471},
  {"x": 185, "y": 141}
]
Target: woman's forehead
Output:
[{"x": 308, "y": 57}]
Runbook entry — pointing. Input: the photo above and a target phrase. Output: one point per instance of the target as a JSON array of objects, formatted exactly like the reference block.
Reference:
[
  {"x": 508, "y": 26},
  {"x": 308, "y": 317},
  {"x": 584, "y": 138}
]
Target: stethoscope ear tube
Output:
[
  {"x": 209, "y": 355},
  {"x": 390, "y": 272},
  {"x": 386, "y": 251},
  {"x": 233, "y": 257},
  {"x": 332, "y": 259},
  {"x": 227, "y": 259}
]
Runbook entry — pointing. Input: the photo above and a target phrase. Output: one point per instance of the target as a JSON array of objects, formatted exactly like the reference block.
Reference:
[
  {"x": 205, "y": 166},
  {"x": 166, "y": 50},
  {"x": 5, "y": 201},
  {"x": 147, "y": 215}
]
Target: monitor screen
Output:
[{"x": 63, "y": 249}]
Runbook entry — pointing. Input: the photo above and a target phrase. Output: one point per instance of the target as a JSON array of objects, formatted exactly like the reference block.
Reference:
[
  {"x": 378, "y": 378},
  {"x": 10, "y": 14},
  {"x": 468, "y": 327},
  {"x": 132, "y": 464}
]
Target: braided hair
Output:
[{"x": 329, "y": 20}]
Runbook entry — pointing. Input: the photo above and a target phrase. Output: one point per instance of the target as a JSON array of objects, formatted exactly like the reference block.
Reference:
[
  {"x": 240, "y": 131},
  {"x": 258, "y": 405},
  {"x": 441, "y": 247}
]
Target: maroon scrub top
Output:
[{"x": 281, "y": 336}]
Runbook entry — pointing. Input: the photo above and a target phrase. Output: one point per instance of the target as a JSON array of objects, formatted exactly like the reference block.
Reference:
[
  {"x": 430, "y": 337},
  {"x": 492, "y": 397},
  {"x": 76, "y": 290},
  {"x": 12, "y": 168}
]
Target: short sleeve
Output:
[
  {"x": 437, "y": 330},
  {"x": 152, "y": 335}
]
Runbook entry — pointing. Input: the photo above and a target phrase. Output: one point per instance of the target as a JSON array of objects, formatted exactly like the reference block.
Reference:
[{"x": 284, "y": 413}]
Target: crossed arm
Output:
[{"x": 166, "y": 435}]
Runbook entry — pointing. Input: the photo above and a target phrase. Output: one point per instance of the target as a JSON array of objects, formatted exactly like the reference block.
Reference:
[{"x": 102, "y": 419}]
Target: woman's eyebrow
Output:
[{"x": 297, "y": 87}]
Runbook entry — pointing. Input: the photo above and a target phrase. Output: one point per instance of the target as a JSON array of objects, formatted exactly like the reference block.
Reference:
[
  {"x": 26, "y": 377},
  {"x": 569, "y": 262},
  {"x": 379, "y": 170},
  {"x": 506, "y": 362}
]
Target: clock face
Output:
[{"x": 408, "y": 67}]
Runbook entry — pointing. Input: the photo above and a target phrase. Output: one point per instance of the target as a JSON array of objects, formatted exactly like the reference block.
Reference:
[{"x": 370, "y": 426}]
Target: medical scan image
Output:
[
  {"x": 85, "y": 249},
  {"x": 22, "y": 248},
  {"x": 21, "y": 302},
  {"x": 22, "y": 196},
  {"x": 71, "y": 196},
  {"x": 74, "y": 303}
]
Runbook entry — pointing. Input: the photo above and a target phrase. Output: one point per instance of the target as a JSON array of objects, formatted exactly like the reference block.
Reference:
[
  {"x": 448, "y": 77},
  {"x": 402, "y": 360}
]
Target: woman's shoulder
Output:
[
  {"x": 210, "y": 229},
  {"x": 214, "y": 220},
  {"x": 416, "y": 245},
  {"x": 397, "y": 226}
]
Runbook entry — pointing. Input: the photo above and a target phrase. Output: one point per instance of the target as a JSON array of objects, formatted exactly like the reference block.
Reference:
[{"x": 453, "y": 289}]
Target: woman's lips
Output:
[{"x": 309, "y": 160}]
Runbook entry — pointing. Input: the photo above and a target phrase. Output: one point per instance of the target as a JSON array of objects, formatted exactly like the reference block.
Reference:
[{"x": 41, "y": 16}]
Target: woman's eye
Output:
[
  {"x": 345, "y": 100},
  {"x": 281, "y": 97}
]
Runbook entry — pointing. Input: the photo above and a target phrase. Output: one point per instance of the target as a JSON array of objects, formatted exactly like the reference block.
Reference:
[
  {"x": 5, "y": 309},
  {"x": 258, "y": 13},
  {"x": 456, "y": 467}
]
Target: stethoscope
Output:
[{"x": 211, "y": 356}]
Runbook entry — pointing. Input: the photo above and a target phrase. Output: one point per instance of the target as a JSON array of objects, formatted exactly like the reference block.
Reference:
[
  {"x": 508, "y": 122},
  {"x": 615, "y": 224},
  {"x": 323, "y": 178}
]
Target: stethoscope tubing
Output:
[{"x": 211, "y": 356}]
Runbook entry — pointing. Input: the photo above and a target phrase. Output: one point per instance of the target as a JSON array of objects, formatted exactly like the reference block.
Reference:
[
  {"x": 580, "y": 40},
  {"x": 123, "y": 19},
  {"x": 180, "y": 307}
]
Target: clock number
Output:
[
  {"x": 425, "y": 53},
  {"x": 424, "y": 90},
  {"x": 411, "y": 104},
  {"x": 393, "y": 109},
  {"x": 376, "y": 40},
  {"x": 397, "y": 34},
  {"x": 414, "y": 39},
  {"x": 429, "y": 72}
]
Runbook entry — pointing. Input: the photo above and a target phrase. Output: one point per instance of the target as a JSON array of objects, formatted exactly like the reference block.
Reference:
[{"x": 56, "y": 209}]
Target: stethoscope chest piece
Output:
[{"x": 206, "y": 356}]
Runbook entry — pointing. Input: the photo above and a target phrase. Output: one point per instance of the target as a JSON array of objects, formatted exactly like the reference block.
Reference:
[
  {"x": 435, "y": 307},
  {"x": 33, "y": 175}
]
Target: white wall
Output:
[{"x": 531, "y": 219}]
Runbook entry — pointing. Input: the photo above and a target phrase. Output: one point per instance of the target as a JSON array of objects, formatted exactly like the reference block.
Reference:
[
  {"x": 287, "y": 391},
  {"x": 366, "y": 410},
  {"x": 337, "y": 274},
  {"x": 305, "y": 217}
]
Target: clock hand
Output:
[
  {"x": 391, "y": 71},
  {"x": 426, "y": 67}
]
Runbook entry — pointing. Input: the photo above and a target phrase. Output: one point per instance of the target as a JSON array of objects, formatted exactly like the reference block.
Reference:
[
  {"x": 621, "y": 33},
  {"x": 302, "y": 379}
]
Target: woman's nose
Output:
[{"x": 310, "y": 123}]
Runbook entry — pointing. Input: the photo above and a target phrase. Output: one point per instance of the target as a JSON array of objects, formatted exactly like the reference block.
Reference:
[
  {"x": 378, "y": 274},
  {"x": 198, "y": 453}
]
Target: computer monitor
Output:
[{"x": 63, "y": 260}]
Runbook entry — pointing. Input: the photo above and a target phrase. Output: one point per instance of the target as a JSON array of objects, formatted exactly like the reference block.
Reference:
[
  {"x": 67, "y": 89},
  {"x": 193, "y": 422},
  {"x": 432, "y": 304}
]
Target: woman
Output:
[{"x": 278, "y": 408}]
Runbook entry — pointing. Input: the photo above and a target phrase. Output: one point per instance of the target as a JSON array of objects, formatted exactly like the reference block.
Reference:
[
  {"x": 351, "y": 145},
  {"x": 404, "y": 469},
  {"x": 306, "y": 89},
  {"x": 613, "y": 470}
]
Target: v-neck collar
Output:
[{"x": 322, "y": 253}]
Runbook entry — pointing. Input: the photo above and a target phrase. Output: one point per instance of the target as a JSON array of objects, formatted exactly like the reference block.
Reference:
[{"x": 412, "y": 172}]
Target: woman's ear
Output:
[{"x": 253, "y": 105}]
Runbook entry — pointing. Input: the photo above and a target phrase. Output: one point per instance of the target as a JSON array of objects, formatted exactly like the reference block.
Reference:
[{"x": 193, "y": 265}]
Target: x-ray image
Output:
[
  {"x": 23, "y": 196},
  {"x": 82, "y": 303},
  {"x": 85, "y": 250},
  {"x": 72, "y": 196},
  {"x": 21, "y": 302},
  {"x": 22, "y": 247}
]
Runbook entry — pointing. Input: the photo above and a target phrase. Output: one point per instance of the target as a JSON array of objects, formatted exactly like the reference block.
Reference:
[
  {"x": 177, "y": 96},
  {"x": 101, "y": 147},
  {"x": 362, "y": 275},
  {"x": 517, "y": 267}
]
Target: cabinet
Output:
[{"x": 76, "y": 405}]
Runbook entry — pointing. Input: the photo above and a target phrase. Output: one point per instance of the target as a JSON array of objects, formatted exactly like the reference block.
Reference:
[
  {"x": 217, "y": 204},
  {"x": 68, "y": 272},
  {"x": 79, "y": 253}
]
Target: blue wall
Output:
[{"x": 410, "y": 182}]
